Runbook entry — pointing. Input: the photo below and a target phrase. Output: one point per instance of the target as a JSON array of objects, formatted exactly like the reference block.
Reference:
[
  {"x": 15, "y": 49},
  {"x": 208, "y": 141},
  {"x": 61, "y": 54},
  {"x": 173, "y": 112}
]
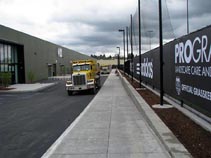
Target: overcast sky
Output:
[{"x": 91, "y": 26}]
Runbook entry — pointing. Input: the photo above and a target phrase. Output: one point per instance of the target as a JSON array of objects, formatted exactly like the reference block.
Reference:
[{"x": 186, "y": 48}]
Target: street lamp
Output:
[
  {"x": 118, "y": 59},
  {"x": 121, "y": 30}
]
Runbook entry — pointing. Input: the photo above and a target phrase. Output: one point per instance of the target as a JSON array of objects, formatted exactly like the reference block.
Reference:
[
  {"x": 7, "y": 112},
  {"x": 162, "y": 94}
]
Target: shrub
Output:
[
  {"x": 5, "y": 78},
  {"x": 30, "y": 76}
]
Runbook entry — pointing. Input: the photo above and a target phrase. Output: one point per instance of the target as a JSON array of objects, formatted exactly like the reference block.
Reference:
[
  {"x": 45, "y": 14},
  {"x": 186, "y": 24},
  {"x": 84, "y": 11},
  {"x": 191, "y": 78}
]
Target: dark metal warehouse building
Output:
[{"x": 22, "y": 55}]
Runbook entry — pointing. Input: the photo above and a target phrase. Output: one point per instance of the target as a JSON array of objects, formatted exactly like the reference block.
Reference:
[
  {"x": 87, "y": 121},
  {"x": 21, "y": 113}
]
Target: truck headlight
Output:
[
  {"x": 90, "y": 81},
  {"x": 69, "y": 82}
]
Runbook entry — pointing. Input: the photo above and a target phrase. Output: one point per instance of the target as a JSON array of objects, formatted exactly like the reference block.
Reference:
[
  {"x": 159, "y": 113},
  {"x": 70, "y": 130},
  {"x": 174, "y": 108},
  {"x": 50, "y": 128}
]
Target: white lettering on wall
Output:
[
  {"x": 196, "y": 51},
  {"x": 147, "y": 68},
  {"x": 204, "y": 94}
]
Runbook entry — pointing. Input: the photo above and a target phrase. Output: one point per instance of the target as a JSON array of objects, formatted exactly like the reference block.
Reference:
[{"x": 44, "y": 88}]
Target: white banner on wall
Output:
[{"x": 60, "y": 55}]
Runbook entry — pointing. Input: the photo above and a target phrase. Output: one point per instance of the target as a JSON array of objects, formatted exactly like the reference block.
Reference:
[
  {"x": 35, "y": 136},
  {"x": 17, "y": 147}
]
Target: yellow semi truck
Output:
[
  {"x": 85, "y": 76},
  {"x": 105, "y": 69}
]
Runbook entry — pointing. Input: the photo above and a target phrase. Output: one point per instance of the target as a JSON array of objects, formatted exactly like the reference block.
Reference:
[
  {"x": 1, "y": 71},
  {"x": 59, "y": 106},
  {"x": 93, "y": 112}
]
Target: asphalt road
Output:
[{"x": 31, "y": 122}]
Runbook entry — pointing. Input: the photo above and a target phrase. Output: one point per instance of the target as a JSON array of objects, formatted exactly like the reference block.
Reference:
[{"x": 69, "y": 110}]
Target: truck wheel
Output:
[
  {"x": 69, "y": 93},
  {"x": 99, "y": 86},
  {"x": 94, "y": 91}
]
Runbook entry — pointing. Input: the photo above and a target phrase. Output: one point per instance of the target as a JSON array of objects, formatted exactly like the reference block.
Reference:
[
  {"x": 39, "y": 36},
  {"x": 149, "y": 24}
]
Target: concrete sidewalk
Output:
[
  {"x": 22, "y": 88},
  {"x": 110, "y": 127}
]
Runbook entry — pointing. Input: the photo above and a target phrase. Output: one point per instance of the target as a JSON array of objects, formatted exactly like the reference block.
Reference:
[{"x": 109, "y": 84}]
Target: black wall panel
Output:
[{"x": 187, "y": 69}]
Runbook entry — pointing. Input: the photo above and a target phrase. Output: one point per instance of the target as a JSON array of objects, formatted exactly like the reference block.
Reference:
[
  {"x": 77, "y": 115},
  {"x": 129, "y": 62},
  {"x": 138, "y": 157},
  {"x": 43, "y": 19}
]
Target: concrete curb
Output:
[
  {"x": 63, "y": 78},
  {"x": 194, "y": 115},
  {"x": 170, "y": 142},
  {"x": 28, "y": 91},
  {"x": 46, "y": 87},
  {"x": 197, "y": 117},
  {"x": 59, "y": 140}
]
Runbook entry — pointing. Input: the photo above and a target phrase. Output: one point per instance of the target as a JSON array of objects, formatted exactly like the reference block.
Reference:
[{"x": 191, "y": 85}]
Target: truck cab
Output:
[
  {"x": 105, "y": 69},
  {"x": 85, "y": 76}
]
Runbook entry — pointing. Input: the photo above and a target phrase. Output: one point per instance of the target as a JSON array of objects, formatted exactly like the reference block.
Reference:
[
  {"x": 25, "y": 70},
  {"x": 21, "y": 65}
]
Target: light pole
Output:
[
  {"x": 161, "y": 52},
  {"x": 139, "y": 32},
  {"x": 131, "y": 29},
  {"x": 187, "y": 18},
  {"x": 127, "y": 33},
  {"x": 127, "y": 41},
  {"x": 118, "y": 59},
  {"x": 121, "y": 30},
  {"x": 150, "y": 31}
]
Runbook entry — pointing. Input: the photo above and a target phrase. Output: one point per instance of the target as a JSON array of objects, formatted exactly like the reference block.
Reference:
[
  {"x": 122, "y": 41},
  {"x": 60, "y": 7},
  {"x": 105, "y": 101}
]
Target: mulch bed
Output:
[{"x": 196, "y": 139}]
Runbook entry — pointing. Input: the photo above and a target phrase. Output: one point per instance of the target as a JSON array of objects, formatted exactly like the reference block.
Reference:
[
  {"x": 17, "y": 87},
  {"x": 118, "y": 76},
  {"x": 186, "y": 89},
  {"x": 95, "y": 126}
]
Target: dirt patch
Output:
[{"x": 196, "y": 140}]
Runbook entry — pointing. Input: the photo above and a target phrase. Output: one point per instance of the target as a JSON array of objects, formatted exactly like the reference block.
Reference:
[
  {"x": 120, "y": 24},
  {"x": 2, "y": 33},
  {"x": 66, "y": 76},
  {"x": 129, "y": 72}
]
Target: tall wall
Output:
[
  {"x": 186, "y": 69},
  {"x": 39, "y": 54}
]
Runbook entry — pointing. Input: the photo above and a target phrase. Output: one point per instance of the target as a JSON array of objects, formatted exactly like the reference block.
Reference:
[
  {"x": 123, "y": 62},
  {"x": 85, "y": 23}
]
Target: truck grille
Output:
[{"x": 79, "y": 80}]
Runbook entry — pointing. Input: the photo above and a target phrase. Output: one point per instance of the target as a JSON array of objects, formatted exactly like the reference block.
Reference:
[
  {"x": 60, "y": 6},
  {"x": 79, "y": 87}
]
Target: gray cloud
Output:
[
  {"x": 101, "y": 39},
  {"x": 93, "y": 27},
  {"x": 174, "y": 19},
  {"x": 103, "y": 33}
]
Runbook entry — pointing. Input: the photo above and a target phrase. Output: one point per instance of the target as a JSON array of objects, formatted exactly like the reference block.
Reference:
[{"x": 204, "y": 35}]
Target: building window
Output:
[{"x": 8, "y": 60}]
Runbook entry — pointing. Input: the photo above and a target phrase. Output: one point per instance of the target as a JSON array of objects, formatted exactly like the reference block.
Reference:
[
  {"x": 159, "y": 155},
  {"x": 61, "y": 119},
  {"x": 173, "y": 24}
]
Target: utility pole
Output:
[
  {"x": 121, "y": 30},
  {"x": 127, "y": 40},
  {"x": 118, "y": 59},
  {"x": 161, "y": 52},
  {"x": 131, "y": 28},
  {"x": 139, "y": 32},
  {"x": 187, "y": 18}
]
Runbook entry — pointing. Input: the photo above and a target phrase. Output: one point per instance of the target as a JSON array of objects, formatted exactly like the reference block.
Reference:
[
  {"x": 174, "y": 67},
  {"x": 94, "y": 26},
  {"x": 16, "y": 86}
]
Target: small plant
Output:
[
  {"x": 30, "y": 76},
  {"x": 5, "y": 78}
]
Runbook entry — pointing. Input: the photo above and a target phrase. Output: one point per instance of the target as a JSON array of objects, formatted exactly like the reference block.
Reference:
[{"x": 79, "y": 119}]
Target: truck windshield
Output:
[
  {"x": 81, "y": 67},
  {"x": 104, "y": 67}
]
